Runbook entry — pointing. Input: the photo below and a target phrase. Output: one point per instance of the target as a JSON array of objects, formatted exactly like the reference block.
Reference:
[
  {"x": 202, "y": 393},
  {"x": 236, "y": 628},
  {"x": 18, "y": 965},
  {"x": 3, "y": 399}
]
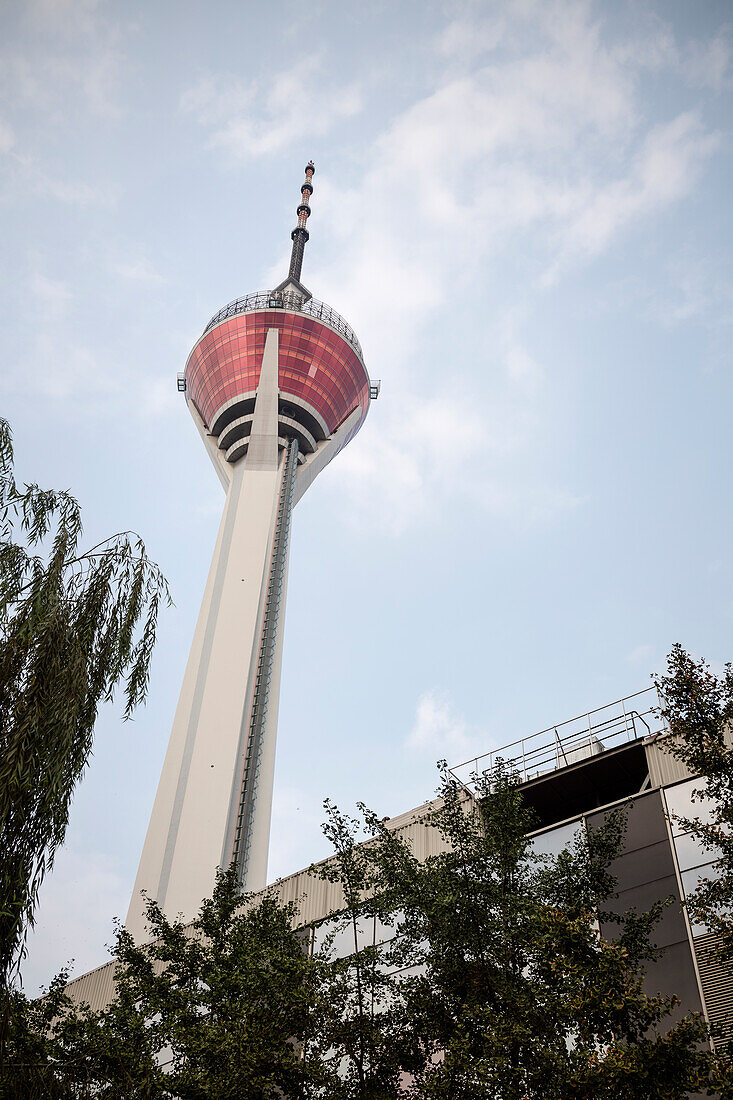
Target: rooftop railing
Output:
[
  {"x": 294, "y": 303},
  {"x": 624, "y": 720}
]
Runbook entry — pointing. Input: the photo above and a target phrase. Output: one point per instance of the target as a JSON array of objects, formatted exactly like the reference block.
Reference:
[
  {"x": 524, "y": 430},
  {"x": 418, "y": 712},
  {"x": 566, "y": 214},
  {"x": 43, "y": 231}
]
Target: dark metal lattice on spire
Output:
[{"x": 300, "y": 234}]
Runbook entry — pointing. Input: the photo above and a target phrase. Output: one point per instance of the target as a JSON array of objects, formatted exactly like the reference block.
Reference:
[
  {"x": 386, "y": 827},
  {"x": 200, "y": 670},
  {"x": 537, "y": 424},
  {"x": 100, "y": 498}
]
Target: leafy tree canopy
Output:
[
  {"x": 229, "y": 1006},
  {"x": 511, "y": 988},
  {"x": 493, "y": 981},
  {"x": 73, "y": 625},
  {"x": 698, "y": 708}
]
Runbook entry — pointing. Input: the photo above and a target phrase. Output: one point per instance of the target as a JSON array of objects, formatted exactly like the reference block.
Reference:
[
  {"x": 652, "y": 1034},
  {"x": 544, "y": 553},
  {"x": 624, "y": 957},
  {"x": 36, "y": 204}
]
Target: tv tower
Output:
[{"x": 276, "y": 386}]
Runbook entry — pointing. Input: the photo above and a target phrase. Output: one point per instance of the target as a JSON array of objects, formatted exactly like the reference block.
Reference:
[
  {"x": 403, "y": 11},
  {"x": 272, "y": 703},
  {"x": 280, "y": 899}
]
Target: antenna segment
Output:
[{"x": 300, "y": 234}]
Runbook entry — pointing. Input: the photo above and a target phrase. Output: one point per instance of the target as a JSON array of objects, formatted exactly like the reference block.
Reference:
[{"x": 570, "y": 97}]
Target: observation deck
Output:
[
  {"x": 322, "y": 378},
  {"x": 314, "y": 308}
]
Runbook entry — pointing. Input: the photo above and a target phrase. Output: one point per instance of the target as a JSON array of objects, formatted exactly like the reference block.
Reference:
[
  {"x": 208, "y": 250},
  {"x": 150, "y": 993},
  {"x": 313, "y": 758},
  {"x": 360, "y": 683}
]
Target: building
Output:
[
  {"x": 276, "y": 386},
  {"x": 572, "y": 774}
]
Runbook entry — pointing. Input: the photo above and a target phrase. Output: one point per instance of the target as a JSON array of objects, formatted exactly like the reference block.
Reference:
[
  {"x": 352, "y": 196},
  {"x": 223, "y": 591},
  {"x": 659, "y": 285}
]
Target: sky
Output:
[{"x": 523, "y": 209}]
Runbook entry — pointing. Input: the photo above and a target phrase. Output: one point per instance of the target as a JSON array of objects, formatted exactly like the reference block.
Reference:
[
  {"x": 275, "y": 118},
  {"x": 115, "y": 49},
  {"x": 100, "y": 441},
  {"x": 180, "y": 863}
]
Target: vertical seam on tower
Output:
[{"x": 242, "y": 838}]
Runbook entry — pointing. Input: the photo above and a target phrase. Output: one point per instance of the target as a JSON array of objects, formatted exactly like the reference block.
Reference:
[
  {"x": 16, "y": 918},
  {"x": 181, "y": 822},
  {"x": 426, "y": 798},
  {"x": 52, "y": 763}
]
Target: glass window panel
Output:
[
  {"x": 412, "y": 971},
  {"x": 384, "y": 932},
  {"x": 691, "y": 853},
  {"x": 402, "y": 952},
  {"x": 691, "y": 879},
  {"x": 680, "y": 804},
  {"x": 554, "y": 840},
  {"x": 164, "y": 1058},
  {"x": 321, "y": 932},
  {"x": 342, "y": 944}
]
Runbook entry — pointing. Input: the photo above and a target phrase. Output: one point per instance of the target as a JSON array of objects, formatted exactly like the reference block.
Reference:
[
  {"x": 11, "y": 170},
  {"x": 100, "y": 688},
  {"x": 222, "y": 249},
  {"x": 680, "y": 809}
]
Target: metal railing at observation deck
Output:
[
  {"x": 314, "y": 308},
  {"x": 587, "y": 735}
]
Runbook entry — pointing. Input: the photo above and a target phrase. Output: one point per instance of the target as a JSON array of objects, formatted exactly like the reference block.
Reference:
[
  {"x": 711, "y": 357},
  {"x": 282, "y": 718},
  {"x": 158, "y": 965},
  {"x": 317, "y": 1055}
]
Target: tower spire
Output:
[{"x": 300, "y": 234}]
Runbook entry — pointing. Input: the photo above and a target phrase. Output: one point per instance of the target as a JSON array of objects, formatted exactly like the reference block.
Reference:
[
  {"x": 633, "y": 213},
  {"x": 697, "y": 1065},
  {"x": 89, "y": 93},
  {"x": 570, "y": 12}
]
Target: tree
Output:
[
  {"x": 58, "y": 1050},
  {"x": 697, "y": 706},
  {"x": 370, "y": 1039},
  {"x": 73, "y": 625},
  {"x": 231, "y": 1003},
  {"x": 233, "y": 998},
  {"x": 496, "y": 983},
  {"x": 514, "y": 993}
]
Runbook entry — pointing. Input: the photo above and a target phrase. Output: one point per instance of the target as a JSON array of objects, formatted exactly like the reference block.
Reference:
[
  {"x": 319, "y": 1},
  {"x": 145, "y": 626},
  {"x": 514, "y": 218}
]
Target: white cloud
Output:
[
  {"x": 465, "y": 38},
  {"x": 422, "y": 455},
  {"x": 25, "y": 175},
  {"x": 138, "y": 270},
  {"x": 52, "y": 296},
  {"x": 62, "y": 71},
  {"x": 690, "y": 288},
  {"x": 74, "y": 192},
  {"x": 57, "y": 366},
  {"x": 700, "y": 63},
  {"x": 76, "y": 54},
  {"x": 79, "y": 901},
  {"x": 641, "y": 654},
  {"x": 158, "y": 397},
  {"x": 699, "y": 289},
  {"x": 252, "y": 120},
  {"x": 549, "y": 142},
  {"x": 664, "y": 170},
  {"x": 707, "y": 64},
  {"x": 441, "y": 732},
  {"x": 7, "y": 137},
  {"x": 68, "y": 13}
]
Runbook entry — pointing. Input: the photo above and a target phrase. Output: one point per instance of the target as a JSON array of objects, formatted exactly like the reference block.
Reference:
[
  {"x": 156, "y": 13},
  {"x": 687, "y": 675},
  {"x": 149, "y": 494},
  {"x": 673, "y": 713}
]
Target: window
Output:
[
  {"x": 695, "y": 861},
  {"x": 552, "y": 842},
  {"x": 680, "y": 804},
  {"x": 342, "y": 932},
  {"x": 691, "y": 852}
]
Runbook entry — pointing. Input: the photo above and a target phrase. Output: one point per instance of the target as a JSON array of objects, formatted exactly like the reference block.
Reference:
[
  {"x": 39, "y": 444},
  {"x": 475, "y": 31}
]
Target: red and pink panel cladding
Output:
[{"x": 316, "y": 365}]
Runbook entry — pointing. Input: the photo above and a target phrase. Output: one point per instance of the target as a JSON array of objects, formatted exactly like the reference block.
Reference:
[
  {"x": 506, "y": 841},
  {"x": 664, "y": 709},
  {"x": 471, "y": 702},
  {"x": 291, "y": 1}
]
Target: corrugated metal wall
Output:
[
  {"x": 717, "y": 988},
  {"x": 663, "y": 767},
  {"x": 95, "y": 988}
]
